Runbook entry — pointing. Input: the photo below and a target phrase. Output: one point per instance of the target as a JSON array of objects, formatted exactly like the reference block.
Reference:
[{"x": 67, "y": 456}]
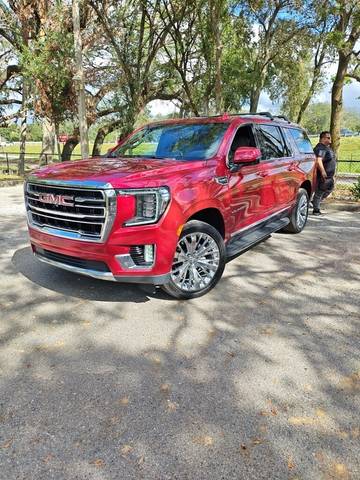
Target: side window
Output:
[
  {"x": 272, "y": 142},
  {"x": 302, "y": 140},
  {"x": 244, "y": 137},
  {"x": 289, "y": 142}
]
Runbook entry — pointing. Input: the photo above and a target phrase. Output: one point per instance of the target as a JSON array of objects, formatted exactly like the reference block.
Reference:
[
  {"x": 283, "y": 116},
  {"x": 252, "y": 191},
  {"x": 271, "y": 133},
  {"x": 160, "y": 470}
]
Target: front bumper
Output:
[
  {"x": 118, "y": 246},
  {"x": 147, "y": 279}
]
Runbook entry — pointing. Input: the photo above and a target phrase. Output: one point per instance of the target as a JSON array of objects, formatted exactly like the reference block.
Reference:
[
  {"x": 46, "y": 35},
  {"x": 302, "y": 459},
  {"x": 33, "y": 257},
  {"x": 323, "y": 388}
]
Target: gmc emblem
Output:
[{"x": 64, "y": 200}]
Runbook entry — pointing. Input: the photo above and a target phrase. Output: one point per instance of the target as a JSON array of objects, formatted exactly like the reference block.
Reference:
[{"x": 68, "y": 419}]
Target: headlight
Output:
[{"x": 150, "y": 204}]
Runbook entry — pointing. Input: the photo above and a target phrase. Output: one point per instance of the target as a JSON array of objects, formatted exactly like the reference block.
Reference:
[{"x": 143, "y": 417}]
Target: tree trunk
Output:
[
  {"x": 23, "y": 132},
  {"x": 84, "y": 141},
  {"x": 254, "y": 98},
  {"x": 337, "y": 100},
  {"x": 57, "y": 142},
  {"x": 216, "y": 26},
  {"x": 104, "y": 131},
  {"x": 69, "y": 147},
  {"x": 48, "y": 142}
]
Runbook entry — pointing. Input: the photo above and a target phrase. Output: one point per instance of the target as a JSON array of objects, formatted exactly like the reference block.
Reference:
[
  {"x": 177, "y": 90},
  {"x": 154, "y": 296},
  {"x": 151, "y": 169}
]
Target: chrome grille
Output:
[{"x": 77, "y": 213}]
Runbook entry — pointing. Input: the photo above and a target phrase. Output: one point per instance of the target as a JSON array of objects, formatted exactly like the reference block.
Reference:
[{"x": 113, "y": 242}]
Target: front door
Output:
[{"x": 246, "y": 184}]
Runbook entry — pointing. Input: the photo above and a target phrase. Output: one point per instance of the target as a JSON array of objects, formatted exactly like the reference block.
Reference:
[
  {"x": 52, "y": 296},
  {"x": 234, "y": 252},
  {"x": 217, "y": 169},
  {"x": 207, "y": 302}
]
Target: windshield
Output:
[{"x": 180, "y": 142}]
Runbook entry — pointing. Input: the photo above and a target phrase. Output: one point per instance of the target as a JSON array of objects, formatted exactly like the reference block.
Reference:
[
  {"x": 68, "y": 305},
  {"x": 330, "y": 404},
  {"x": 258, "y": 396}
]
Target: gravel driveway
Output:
[{"x": 260, "y": 379}]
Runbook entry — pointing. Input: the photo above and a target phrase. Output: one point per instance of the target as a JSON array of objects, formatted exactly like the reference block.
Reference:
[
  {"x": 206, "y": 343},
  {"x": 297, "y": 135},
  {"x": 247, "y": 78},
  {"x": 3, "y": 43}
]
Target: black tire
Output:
[
  {"x": 299, "y": 214},
  {"x": 208, "y": 235}
]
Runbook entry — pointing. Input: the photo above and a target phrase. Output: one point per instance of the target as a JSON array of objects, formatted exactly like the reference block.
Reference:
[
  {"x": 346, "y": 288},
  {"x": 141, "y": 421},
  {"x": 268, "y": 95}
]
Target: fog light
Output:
[{"x": 149, "y": 253}]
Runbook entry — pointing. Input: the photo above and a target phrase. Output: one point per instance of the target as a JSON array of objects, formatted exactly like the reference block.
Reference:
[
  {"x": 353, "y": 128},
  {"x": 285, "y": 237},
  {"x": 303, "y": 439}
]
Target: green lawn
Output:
[
  {"x": 35, "y": 148},
  {"x": 349, "y": 150},
  {"x": 349, "y": 147}
]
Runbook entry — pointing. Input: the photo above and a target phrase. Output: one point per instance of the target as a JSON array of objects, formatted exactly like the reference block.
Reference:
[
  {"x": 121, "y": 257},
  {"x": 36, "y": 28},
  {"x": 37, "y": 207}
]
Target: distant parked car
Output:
[{"x": 345, "y": 132}]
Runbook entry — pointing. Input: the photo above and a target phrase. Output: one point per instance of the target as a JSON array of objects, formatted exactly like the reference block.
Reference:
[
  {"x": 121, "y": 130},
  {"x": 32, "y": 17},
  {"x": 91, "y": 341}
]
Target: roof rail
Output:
[
  {"x": 254, "y": 114},
  {"x": 283, "y": 117}
]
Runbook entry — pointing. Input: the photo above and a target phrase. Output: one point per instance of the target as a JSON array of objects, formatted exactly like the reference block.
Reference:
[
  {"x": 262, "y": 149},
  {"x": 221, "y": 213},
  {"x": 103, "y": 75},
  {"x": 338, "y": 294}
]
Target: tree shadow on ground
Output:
[{"x": 259, "y": 380}]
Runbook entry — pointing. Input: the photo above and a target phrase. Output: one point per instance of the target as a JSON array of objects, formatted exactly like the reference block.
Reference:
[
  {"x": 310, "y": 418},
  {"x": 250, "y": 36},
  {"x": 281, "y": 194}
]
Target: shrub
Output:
[{"x": 355, "y": 190}]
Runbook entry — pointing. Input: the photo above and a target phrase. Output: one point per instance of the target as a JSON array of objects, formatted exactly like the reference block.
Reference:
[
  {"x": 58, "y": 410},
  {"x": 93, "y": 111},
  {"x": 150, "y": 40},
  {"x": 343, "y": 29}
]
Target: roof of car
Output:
[{"x": 262, "y": 117}]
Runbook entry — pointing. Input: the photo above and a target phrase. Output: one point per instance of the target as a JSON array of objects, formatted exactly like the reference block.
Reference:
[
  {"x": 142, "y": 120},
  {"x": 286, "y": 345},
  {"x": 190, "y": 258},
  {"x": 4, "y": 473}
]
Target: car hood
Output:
[{"x": 116, "y": 172}]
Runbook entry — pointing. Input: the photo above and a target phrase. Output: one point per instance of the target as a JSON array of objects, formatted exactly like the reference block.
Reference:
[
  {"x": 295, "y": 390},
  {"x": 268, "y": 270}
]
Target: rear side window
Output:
[
  {"x": 272, "y": 142},
  {"x": 302, "y": 140}
]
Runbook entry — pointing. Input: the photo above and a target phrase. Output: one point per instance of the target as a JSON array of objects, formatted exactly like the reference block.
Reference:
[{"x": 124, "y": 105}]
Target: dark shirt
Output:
[{"x": 328, "y": 158}]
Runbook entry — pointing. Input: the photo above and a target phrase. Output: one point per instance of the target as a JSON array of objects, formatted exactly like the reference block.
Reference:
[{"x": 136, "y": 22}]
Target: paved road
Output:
[{"x": 258, "y": 380}]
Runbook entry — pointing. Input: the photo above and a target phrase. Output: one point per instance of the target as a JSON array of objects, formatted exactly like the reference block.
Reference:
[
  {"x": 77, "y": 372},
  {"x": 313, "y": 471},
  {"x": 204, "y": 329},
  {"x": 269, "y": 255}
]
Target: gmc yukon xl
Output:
[{"x": 174, "y": 201}]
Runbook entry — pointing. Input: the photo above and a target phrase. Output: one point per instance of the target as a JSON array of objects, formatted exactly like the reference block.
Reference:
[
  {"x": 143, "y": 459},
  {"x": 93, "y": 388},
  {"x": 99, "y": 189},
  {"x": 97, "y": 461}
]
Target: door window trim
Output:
[
  {"x": 253, "y": 130},
  {"x": 272, "y": 159}
]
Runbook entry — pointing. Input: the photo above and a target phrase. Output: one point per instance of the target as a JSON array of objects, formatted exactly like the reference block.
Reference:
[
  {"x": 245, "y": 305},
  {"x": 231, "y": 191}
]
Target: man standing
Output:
[{"x": 326, "y": 166}]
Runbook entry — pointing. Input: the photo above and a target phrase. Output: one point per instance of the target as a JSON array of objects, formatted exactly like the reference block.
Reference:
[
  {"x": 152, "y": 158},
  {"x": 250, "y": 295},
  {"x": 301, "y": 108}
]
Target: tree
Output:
[
  {"x": 344, "y": 37},
  {"x": 316, "y": 118},
  {"x": 49, "y": 60},
  {"x": 133, "y": 35},
  {"x": 276, "y": 27}
]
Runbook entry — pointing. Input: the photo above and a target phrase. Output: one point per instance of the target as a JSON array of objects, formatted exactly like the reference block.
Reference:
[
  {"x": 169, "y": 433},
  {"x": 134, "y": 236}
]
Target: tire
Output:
[
  {"x": 299, "y": 214},
  {"x": 193, "y": 275}
]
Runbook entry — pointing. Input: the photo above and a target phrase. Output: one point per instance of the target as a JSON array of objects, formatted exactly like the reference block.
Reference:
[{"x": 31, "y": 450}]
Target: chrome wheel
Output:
[
  {"x": 196, "y": 261},
  {"x": 302, "y": 211}
]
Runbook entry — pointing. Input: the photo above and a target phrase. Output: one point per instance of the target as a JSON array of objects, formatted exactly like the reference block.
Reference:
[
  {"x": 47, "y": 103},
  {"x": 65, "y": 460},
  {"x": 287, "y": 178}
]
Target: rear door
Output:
[
  {"x": 273, "y": 168},
  {"x": 303, "y": 161}
]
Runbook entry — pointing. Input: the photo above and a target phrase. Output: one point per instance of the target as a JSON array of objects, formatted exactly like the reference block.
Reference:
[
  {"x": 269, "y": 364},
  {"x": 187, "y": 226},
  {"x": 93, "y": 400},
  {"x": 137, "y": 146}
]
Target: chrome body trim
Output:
[
  {"x": 260, "y": 221},
  {"x": 109, "y": 197},
  {"x": 70, "y": 183},
  {"x": 82, "y": 271},
  {"x": 221, "y": 180},
  {"x": 69, "y": 234},
  {"x": 54, "y": 214},
  {"x": 126, "y": 262},
  {"x": 151, "y": 279}
]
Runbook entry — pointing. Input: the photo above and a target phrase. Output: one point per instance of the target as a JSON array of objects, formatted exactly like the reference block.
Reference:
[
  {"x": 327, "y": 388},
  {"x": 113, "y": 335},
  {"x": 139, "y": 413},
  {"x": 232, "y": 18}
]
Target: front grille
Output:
[
  {"x": 72, "y": 261},
  {"x": 67, "y": 211}
]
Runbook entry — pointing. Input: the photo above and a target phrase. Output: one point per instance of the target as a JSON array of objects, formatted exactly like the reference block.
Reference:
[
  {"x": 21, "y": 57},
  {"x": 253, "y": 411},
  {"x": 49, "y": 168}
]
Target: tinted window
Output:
[
  {"x": 243, "y": 138},
  {"x": 288, "y": 141},
  {"x": 302, "y": 141},
  {"x": 272, "y": 142},
  {"x": 180, "y": 142}
]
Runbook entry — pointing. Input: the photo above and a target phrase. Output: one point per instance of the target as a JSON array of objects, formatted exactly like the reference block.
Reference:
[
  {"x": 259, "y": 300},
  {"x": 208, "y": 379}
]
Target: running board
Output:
[{"x": 242, "y": 242}]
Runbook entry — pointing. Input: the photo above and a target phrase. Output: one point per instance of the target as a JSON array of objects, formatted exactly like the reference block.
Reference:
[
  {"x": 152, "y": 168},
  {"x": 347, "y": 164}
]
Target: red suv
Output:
[{"x": 174, "y": 201}]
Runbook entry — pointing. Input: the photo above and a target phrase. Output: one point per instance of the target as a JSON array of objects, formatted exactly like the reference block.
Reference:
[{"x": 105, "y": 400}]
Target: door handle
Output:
[
  {"x": 262, "y": 173},
  {"x": 293, "y": 166}
]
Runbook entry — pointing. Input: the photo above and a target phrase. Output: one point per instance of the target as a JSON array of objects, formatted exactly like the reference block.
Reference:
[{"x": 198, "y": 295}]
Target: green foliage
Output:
[
  {"x": 355, "y": 190},
  {"x": 10, "y": 133},
  {"x": 317, "y": 118},
  {"x": 48, "y": 60}
]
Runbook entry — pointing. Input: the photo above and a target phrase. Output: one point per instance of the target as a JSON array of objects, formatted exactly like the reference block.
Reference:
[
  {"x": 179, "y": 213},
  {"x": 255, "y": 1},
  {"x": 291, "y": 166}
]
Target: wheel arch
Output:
[
  {"x": 306, "y": 185},
  {"x": 212, "y": 216}
]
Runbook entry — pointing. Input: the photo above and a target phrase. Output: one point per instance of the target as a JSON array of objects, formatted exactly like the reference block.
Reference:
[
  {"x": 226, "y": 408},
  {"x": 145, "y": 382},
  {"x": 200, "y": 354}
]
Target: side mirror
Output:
[{"x": 245, "y": 155}]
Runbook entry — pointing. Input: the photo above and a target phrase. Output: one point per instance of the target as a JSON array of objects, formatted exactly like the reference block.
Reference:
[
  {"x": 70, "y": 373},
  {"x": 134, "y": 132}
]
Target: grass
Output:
[
  {"x": 349, "y": 150},
  {"x": 35, "y": 148},
  {"x": 9, "y": 177}
]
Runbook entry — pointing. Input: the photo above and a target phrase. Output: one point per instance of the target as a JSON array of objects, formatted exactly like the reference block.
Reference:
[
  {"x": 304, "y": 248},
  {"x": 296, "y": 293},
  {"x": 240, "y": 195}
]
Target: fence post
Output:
[{"x": 7, "y": 163}]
